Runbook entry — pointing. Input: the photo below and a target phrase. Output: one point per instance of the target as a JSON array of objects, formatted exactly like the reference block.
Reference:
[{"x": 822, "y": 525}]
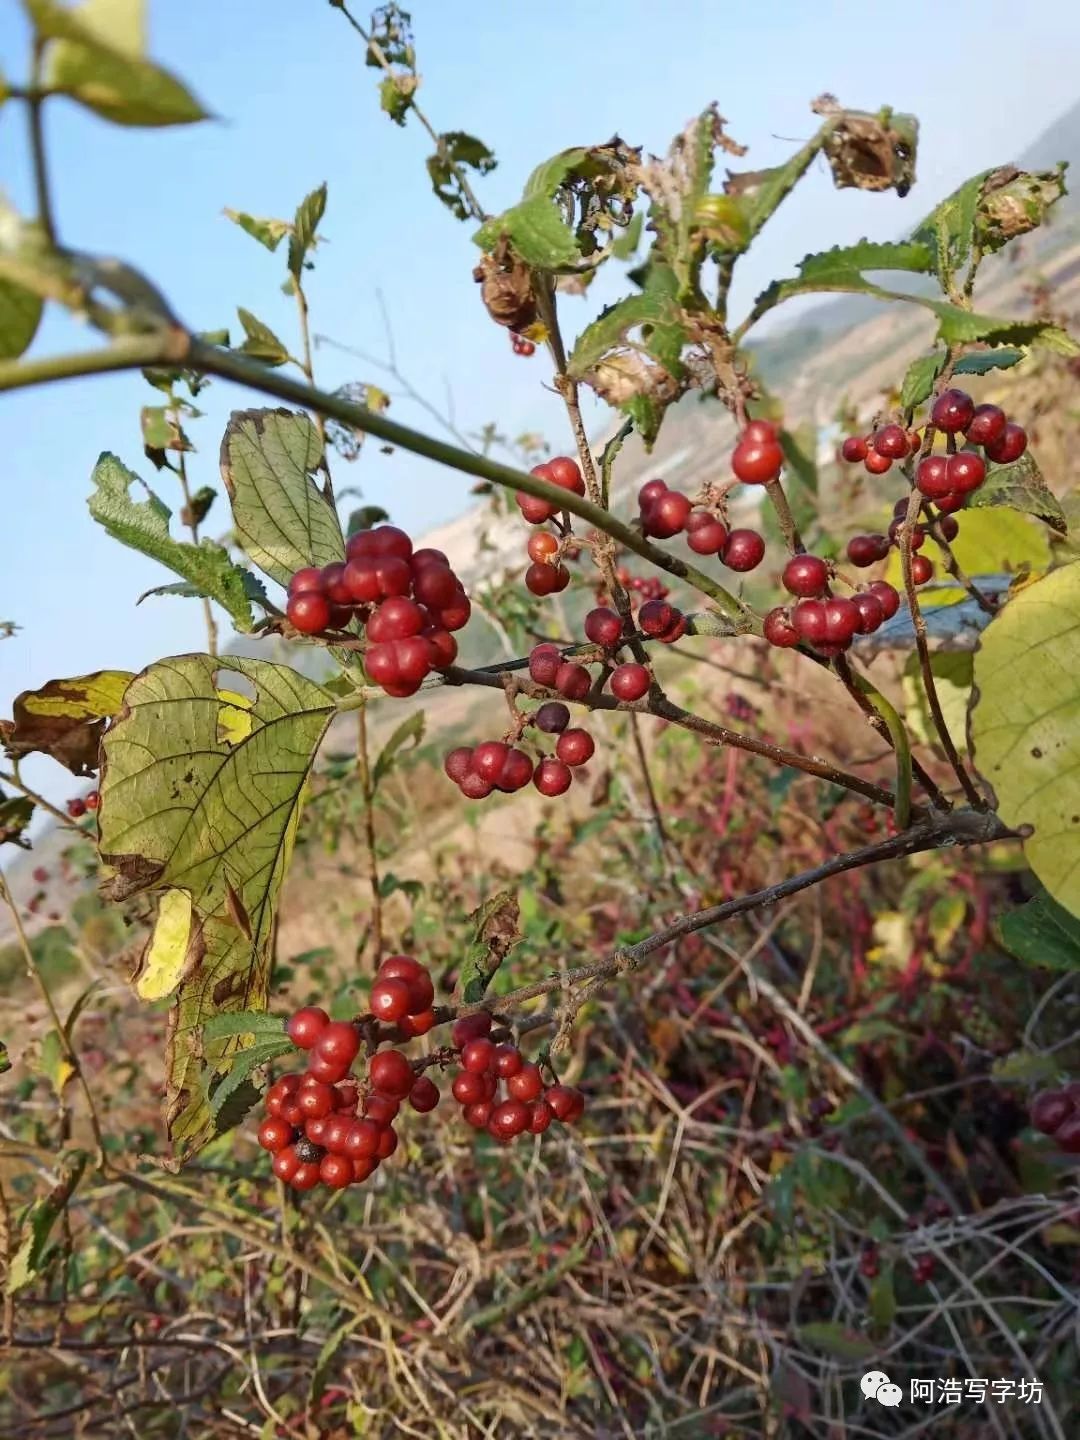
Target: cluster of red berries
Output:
[
  {"x": 495, "y": 765},
  {"x": 665, "y": 513},
  {"x": 521, "y": 346},
  {"x": 649, "y": 587},
  {"x": 878, "y": 450},
  {"x": 1057, "y": 1113},
  {"x": 951, "y": 477},
  {"x": 408, "y": 600},
  {"x": 527, "y": 1106},
  {"x": 320, "y": 1126},
  {"x": 827, "y": 623},
  {"x": 80, "y": 804}
]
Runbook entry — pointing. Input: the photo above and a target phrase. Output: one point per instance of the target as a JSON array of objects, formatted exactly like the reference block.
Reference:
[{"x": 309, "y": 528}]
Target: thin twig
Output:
[{"x": 367, "y": 795}]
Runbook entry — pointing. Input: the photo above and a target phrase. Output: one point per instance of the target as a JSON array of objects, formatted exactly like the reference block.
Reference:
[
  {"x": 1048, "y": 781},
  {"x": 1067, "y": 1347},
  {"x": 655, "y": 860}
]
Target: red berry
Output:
[
  {"x": 507, "y": 1060},
  {"x": 986, "y": 426},
  {"x": 338, "y": 1044},
  {"x": 515, "y": 773},
  {"x": 876, "y": 464},
  {"x": 603, "y": 627},
  {"x": 575, "y": 747},
  {"x": 286, "y": 1163},
  {"x": 1049, "y": 1109},
  {"x": 573, "y": 681},
  {"x": 468, "y": 1087},
  {"x": 565, "y": 1103},
  {"x": 864, "y": 550},
  {"x": 871, "y": 612},
  {"x": 305, "y": 1026},
  {"x": 418, "y": 1024},
  {"x": 667, "y": 515},
  {"x": 778, "y": 629},
  {"x": 922, "y": 569},
  {"x": 333, "y": 584},
  {"x": 564, "y": 472},
  {"x": 424, "y": 1095},
  {"x": 315, "y": 1100},
  {"x": 361, "y": 580},
  {"x": 458, "y": 763},
  {"x": 442, "y": 647},
  {"x": 758, "y": 432},
  {"x": 347, "y": 1096},
  {"x": 952, "y": 411},
  {"x": 1010, "y": 445},
  {"x": 629, "y": 682},
  {"x": 397, "y": 618},
  {"x": 508, "y": 1119},
  {"x": 455, "y": 616},
  {"x": 650, "y": 492},
  {"x": 891, "y": 440},
  {"x": 536, "y": 511},
  {"x": 362, "y": 1139},
  {"x": 308, "y": 611},
  {"x": 743, "y": 550},
  {"x": 918, "y": 534},
  {"x": 888, "y": 595},
  {"x": 470, "y": 1027},
  {"x": 305, "y": 1176},
  {"x": 546, "y": 579},
  {"x": 390, "y": 1000},
  {"x": 544, "y": 662},
  {"x": 552, "y": 717},
  {"x": 310, "y": 578},
  {"x": 478, "y": 1113},
  {"x": 335, "y": 1171},
  {"x": 388, "y": 1143},
  {"x": 92, "y": 799},
  {"x": 391, "y": 1073},
  {"x": 381, "y": 1109},
  {"x": 705, "y": 534},
  {"x": 390, "y": 541},
  {"x": 755, "y": 462},
  {"x": 966, "y": 471},
  {"x": 540, "y": 1117},
  {"x": 949, "y": 527},
  {"x": 489, "y": 759},
  {"x": 854, "y": 448},
  {"x": 1067, "y": 1134},
  {"x": 274, "y": 1134},
  {"x": 806, "y": 575},
  {"x": 333, "y": 1132},
  {"x": 542, "y": 546},
  {"x": 478, "y": 1055},
  {"x": 948, "y": 503},
  {"x": 526, "y": 1084},
  {"x": 808, "y": 621},
  {"x": 932, "y": 476},
  {"x": 841, "y": 620},
  {"x": 394, "y": 575},
  {"x": 656, "y": 617},
  {"x": 437, "y": 585},
  {"x": 475, "y": 787},
  {"x": 552, "y": 777},
  {"x": 76, "y": 808}
]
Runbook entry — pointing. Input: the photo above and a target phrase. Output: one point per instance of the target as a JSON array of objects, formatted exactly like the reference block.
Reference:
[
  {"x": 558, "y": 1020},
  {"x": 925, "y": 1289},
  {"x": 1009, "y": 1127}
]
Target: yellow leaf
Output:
[{"x": 165, "y": 958}]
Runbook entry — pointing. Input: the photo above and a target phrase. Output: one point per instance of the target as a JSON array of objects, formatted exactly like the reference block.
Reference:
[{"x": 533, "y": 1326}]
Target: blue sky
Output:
[{"x": 298, "y": 106}]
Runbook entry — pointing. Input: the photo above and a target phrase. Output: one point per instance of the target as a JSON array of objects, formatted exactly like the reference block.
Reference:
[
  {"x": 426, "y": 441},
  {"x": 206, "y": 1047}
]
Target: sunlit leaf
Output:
[
  {"x": 1021, "y": 486},
  {"x": 65, "y": 718}
]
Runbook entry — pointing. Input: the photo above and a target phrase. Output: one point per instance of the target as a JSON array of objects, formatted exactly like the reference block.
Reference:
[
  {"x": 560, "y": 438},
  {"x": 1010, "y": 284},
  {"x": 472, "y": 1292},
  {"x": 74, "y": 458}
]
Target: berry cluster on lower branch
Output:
[{"x": 325, "y": 1126}]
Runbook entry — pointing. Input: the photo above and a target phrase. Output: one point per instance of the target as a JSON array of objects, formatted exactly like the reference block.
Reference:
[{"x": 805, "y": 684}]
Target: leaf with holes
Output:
[
  {"x": 1025, "y": 725},
  {"x": 1021, "y": 487},
  {"x": 201, "y": 795},
  {"x": 495, "y": 932},
  {"x": 282, "y": 519},
  {"x": 144, "y": 525},
  {"x": 457, "y": 152},
  {"x": 65, "y": 718}
]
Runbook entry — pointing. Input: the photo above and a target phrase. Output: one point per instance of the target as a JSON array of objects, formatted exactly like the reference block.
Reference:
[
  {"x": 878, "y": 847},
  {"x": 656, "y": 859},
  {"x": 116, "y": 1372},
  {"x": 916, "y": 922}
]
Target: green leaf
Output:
[
  {"x": 43, "y": 1215},
  {"x": 1025, "y": 725},
  {"x": 84, "y": 61},
  {"x": 981, "y": 362},
  {"x": 410, "y": 729},
  {"x": 656, "y": 307},
  {"x": 330, "y": 1347},
  {"x": 882, "y": 1299},
  {"x": 56, "y": 1065},
  {"x": 5, "y": 1062},
  {"x": 120, "y": 24},
  {"x": 201, "y": 796},
  {"x": 457, "y": 151},
  {"x": 1042, "y": 933},
  {"x": 65, "y": 718},
  {"x": 20, "y": 315},
  {"x": 919, "y": 380},
  {"x": 1021, "y": 487},
  {"x": 535, "y": 226},
  {"x": 309, "y": 213},
  {"x": 16, "y": 812},
  {"x": 833, "y": 1339},
  {"x": 267, "y": 232},
  {"x": 396, "y": 95},
  {"x": 261, "y": 342},
  {"x": 365, "y": 518},
  {"x": 265, "y": 1028},
  {"x": 949, "y": 229},
  {"x": 282, "y": 519},
  {"x": 1025, "y": 1067},
  {"x": 495, "y": 933},
  {"x": 243, "y": 1063},
  {"x": 953, "y": 672},
  {"x": 144, "y": 525}
]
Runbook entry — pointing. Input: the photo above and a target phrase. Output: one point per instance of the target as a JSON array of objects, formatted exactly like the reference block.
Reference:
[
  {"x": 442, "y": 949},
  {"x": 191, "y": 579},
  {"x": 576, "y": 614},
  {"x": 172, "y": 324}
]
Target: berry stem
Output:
[{"x": 925, "y": 665}]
